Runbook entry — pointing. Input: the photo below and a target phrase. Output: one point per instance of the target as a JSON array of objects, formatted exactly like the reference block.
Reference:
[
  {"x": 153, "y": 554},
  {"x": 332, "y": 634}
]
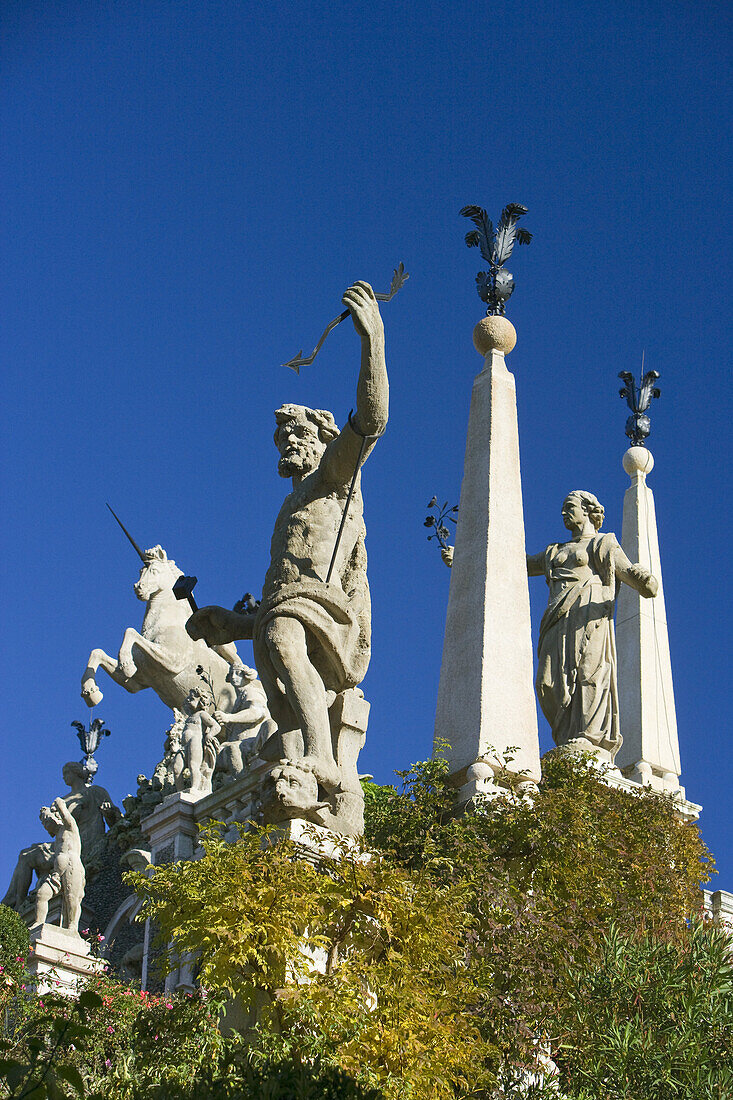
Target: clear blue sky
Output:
[{"x": 187, "y": 189}]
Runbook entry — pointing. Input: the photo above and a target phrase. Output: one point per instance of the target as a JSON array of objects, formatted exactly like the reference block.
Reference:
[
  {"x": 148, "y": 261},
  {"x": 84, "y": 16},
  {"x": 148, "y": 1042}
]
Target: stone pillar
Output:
[
  {"x": 718, "y": 904},
  {"x": 650, "y": 753},
  {"x": 172, "y": 835},
  {"x": 486, "y": 700},
  {"x": 59, "y": 958}
]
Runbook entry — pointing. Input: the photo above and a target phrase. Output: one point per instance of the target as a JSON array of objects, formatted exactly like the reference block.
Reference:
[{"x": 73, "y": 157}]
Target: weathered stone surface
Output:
[
  {"x": 92, "y": 809},
  {"x": 59, "y": 960},
  {"x": 576, "y": 673},
  {"x": 245, "y": 728},
  {"x": 494, "y": 334},
  {"x": 650, "y": 753},
  {"x": 485, "y": 700},
  {"x": 161, "y": 656},
  {"x": 66, "y": 876},
  {"x": 311, "y": 631}
]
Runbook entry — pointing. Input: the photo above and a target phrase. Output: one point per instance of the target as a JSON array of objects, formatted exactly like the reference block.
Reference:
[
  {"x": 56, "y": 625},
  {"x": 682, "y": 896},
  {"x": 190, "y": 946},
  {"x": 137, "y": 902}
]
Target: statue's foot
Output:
[
  {"x": 91, "y": 695},
  {"x": 325, "y": 771}
]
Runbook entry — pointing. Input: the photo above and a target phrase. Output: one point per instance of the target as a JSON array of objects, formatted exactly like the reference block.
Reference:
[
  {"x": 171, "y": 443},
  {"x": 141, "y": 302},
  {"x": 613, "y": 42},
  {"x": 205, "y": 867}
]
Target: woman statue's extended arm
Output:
[
  {"x": 536, "y": 564},
  {"x": 644, "y": 583}
]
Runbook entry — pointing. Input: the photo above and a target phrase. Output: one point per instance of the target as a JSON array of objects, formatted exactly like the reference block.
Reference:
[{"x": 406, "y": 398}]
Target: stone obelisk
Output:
[
  {"x": 486, "y": 702},
  {"x": 650, "y": 753},
  {"x": 485, "y": 696},
  {"x": 486, "y": 705}
]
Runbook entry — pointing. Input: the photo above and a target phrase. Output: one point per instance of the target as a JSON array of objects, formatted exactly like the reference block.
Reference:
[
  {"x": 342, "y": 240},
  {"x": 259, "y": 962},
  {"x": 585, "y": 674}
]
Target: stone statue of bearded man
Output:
[{"x": 312, "y": 638}]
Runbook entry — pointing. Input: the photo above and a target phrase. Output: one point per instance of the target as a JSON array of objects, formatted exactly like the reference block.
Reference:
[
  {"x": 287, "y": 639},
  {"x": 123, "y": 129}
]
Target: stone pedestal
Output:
[
  {"x": 172, "y": 827},
  {"x": 719, "y": 905},
  {"x": 59, "y": 959},
  {"x": 650, "y": 752},
  {"x": 486, "y": 701},
  {"x": 685, "y": 811}
]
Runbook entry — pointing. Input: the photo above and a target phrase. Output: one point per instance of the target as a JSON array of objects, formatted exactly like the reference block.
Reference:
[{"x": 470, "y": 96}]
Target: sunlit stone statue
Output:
[
  {"x": 198, "y": 743},
  {"x": 576, "y": 674},
  {"x": 311, "y": 634},
  {"x": 92, "y": 809},
  {"x": 65, "y": 875},
  {"x": 161, "y": 656},
  {"x": 245, "y": 727}
]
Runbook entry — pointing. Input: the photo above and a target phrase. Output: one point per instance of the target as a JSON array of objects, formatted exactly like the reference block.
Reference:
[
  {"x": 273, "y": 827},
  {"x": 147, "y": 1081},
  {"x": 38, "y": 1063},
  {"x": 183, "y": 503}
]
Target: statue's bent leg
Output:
[
  {"x": 286, "y": 642},
  {"x": 44, "y": 893},
  {"x": 30, "y": 860}
]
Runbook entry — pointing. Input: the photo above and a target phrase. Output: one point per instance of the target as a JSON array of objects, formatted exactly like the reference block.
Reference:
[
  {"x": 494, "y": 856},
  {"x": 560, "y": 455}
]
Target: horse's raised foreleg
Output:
[
  {"x": 168, "y": 660},
  {"x": 99, "y": 659}
]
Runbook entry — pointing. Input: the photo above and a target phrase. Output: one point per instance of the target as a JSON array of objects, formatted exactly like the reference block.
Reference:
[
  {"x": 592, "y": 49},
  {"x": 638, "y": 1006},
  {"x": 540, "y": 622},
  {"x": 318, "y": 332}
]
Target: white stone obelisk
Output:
[
  {"x": 650, "y": 753},
  {"x": 486, "y": 702}
]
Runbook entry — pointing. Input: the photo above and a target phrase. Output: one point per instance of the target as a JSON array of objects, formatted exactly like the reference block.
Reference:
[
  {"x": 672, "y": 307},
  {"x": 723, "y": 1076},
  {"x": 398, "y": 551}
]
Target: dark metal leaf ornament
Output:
[
  {"x": 638, "y": 425},
  {"x": 496, "y": 286}
]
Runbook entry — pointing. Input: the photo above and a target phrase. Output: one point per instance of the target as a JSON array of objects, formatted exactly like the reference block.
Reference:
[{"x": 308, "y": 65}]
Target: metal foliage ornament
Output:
[
  {"x": 496, "y": 285},
  {"x": 438, "y": 522},
  {"x": 89, "y": 740},
  {"x": 399, "y": 278},
  {"x": 639, "y": 399}
]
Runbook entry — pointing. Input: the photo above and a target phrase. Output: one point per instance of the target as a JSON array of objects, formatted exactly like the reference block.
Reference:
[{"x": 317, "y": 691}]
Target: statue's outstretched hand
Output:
[
  {"x": 218, "y": 626},
  {"x": 362, "y": 305}
]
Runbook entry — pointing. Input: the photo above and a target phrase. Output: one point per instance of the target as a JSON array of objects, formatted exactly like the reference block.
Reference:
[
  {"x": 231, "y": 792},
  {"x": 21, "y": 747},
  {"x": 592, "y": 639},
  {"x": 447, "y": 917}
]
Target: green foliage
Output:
[
  {"x": 434, "y": 962},
  {"x": 355, "y": 962},
  {"x": 34, "y": 1062},
  {"x": 14, "y": 946},
  {"x": 114, "y": 1038},
  {"x": 652, "y": 1018},
  {"x": 240, "y": 1075},
  {"x": 546, "y": 879}
]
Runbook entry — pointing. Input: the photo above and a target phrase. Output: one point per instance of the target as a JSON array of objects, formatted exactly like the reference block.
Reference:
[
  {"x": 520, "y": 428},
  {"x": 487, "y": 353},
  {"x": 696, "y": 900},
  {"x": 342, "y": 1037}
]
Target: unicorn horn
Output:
[{"x": 137, "y": 548}]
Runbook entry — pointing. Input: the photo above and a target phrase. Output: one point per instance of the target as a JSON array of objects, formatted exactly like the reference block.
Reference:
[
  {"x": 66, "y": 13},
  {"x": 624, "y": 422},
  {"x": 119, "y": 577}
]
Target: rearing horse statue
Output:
[{"x": 162, "y": 656}]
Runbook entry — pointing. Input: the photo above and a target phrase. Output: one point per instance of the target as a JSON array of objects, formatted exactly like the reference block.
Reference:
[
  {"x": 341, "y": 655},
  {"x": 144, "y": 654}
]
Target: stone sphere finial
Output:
[
  {"x": 638, "y": 460},
  {"x": 494, "y": 334}
]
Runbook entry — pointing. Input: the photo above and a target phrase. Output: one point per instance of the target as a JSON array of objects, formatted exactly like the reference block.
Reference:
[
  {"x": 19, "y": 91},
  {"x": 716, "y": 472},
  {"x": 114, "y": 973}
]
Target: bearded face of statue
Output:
[
  {"x": 290, "y": 788},
  {"x": 300, "y": 447}
]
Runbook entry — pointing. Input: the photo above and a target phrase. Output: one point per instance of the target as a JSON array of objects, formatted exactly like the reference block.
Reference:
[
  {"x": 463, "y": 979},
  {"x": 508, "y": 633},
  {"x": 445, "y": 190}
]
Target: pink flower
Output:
[
  {"x": 110, "y": 1031},
  {"x": 107, "y": 1063}
]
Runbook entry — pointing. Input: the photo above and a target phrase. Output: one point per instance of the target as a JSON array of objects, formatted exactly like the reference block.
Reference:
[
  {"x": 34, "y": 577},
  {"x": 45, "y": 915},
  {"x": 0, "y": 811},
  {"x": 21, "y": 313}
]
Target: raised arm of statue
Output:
[
  {"x": 646, "y": 584},
  {"x": 536, "y": 564},
  {"x": 63, "y": 811},
  {"x": 372, "y": 389}
]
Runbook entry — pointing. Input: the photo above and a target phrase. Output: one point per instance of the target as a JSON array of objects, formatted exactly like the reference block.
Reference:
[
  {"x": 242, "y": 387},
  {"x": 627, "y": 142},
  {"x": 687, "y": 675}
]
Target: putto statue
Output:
[
  {"x": 162, "y": 656},
  {"x": 311, "y": 630},
  {"x": 198, "y": 743},
  {"x": 245, "y": 728},
  {"x": 91, "y": 807},
  {"x": 66, "y": 872},
  {"x": 576, "y": 675}
]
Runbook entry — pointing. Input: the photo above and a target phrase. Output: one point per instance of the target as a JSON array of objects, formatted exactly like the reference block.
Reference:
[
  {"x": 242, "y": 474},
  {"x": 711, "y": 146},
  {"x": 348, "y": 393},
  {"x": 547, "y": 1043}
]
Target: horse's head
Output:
[{"x": 158, "y": 574}]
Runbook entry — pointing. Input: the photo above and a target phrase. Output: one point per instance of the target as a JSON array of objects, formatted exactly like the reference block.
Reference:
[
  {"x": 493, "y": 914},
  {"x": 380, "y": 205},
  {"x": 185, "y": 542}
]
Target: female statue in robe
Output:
[{"x": 576, "y": 675}]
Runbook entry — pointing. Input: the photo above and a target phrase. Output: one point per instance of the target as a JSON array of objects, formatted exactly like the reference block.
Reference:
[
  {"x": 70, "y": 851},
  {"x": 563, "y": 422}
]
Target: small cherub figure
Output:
[
  {"x": 67, "y": 876},
  {"x": 246, "y": 725},
  {"x": 199, "y": 743},
  {"x": 92, "y": 808}
]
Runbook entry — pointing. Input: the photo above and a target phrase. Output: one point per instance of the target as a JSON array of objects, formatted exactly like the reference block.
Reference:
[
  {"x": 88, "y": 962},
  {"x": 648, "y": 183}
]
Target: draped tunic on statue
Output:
[{"x": 576, "y": 674}]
